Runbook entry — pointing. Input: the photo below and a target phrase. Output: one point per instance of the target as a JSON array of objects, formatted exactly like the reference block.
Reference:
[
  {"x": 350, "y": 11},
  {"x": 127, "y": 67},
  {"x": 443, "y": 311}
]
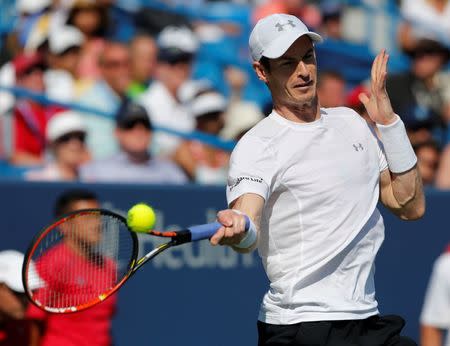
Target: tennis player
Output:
[
  {"x": 91, "y": 327},
  {"x": 310, "y": 179}
]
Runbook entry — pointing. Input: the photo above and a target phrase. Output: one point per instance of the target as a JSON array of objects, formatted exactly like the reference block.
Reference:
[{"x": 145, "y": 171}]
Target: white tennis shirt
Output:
[
  {"x": 320, "y": 228},
  {"x": 436, "y": 308}
]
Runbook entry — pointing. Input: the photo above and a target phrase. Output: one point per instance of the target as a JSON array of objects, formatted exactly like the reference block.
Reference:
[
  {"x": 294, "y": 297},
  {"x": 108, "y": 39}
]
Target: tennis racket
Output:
[{"x": 87, "y": 255}]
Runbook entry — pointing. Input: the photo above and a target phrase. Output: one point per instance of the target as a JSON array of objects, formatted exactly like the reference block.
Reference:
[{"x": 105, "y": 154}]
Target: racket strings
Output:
[{"x": 80, "y": 260}]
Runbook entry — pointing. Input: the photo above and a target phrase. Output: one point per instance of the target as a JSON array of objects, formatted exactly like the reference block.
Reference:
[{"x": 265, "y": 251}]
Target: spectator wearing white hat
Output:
[
  {"x": 61, "y": 78},
  {"x": 28, "y": 7},
  {"x": 203, "y": 163},
  {"x": 66, "y": 134},
  {"x": 14, "y": 328},
  {"x": 177, "y": 48}
]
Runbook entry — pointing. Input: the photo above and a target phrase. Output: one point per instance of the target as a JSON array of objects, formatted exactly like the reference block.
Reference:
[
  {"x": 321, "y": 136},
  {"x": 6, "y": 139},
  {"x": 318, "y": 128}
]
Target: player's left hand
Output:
[
  {"x": 378, "y": 106},
  {"x": 233, "y": 229}
]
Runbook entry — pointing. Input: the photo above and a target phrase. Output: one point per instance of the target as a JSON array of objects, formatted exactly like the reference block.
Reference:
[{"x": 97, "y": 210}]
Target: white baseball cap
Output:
[
  {"x": 11, "y": 262},
  {"x": 210, "y": 102},
  {"x": 273, "y": 35},
  {"x": 174, "y": 41},
  {"x": 63, "y": 123},
  {"x": 32, "y": 6},
  {"x": 63, "y": 38}
]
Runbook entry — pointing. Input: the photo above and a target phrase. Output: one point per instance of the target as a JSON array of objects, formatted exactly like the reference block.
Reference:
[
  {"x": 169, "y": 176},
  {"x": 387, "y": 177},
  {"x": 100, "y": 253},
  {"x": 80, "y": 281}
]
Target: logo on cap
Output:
[{"x": 280, "y": 26}]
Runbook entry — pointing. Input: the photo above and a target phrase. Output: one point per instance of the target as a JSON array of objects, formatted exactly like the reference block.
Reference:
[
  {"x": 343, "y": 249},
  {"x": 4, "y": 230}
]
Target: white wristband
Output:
[
  {"x": 399, "y": 152},
  {"x": 250, "y": 234}
]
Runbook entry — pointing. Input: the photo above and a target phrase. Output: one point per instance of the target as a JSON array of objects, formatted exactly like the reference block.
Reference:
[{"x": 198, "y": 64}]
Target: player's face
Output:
[{"x": 292, "y": 77}]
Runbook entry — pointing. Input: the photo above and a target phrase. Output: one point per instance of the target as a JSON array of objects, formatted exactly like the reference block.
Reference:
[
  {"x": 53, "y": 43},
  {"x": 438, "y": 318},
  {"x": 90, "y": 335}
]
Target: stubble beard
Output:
[{"x": 307, "y": 107}]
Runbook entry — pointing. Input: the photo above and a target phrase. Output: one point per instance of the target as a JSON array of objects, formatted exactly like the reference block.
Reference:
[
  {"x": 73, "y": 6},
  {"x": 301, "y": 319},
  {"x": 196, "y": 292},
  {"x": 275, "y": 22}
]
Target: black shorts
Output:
[{"x": 373, "y": 331}]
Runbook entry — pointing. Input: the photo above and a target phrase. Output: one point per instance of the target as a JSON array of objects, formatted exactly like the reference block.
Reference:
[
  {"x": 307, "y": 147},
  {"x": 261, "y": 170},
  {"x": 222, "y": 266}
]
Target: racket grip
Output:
[{"x": 207, "y": 230}]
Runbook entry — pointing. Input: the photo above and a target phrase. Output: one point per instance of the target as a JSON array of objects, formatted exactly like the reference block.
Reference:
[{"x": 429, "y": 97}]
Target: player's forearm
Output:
[
  {"x": 430, "y": 336},
  {"x": 251, "y": 205},
  {"x": 407, "y": 189}
]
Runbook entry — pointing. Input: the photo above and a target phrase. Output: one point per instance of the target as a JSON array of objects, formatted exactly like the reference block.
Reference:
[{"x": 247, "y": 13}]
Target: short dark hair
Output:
[
  {"x": 427, "y": 144},
  {"x": 265, "y": 62},
  {"x": 67, "y": 198}
]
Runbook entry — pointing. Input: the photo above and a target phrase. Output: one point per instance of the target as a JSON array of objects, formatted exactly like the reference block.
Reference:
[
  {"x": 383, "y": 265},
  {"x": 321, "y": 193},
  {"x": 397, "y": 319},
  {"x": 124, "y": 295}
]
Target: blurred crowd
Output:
[{"x": 136, "y": 75}]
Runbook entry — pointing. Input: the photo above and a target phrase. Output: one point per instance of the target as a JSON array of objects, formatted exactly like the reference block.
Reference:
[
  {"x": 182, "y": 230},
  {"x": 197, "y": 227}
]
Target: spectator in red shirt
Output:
[
  {"x": 91, "y": 327},
  {"x": 30, "y": 117}
]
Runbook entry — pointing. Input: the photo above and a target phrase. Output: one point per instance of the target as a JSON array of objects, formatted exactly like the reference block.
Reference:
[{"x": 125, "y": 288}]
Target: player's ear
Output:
[{"x": 260, "y": 71}]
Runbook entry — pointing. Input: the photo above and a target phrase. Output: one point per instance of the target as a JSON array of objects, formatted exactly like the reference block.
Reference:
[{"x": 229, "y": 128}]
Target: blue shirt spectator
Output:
[
  {"x": 106, "y": 96},
  {"x": 134, "y": 163}
]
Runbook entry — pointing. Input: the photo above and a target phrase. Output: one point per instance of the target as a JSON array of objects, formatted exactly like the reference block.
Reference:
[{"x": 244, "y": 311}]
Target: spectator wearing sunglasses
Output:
[
  {"x": 177, "y": 47},
  {"x": 134, "y": 163},
  {"x": 106, "y": 95},
  {"x": 66, "y": 135}
]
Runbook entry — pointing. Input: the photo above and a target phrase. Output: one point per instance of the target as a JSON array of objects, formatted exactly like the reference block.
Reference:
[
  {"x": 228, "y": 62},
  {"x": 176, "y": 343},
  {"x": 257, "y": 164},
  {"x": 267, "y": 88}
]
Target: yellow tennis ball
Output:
[{"x": 141, "y": 218}]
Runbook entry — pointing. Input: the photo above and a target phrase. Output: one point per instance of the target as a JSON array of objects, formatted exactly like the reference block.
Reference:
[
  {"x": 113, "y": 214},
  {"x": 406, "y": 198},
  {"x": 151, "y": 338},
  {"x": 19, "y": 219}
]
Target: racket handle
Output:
[{"x": 207, "y": 230}]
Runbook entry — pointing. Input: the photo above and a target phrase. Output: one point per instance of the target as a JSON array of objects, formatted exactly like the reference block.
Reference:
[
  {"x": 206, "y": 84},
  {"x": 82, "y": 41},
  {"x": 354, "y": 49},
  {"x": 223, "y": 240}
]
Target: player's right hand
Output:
[{"x": 232, "y": 230}]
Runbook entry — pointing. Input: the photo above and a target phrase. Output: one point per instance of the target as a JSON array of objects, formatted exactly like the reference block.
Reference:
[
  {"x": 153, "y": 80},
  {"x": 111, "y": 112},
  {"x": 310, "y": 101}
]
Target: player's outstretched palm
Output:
[{"x": 378, "y": 106}]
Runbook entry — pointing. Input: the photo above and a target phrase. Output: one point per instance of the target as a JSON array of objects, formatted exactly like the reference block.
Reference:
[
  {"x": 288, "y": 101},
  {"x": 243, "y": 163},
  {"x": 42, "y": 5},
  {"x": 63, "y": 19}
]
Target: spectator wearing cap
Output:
[
  {"x": 30, "y": 118},
  {"x": 331, "y": 27},
  {"x": 64, "y": 55},
  {"x": 203, "y": 163},
  {"x": 177, "y": 46},
  {"x": 15, "y": 329},
  {"x": 91, "y": 18},
  {"x": 29, "y": 7},
  {"x": 106, "y": 95},
  {"x": 143, "y": 60},
  {"x": 134, "y": 163},
  {"x": 422, "y": 94},
  {"x": 31, "y": 12},
  {"x": 66, "y": 133}
]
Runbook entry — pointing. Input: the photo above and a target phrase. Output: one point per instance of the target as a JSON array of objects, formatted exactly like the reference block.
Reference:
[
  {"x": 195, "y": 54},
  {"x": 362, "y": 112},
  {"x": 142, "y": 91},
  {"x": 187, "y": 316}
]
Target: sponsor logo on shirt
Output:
[{"x": 232, "y": 183}]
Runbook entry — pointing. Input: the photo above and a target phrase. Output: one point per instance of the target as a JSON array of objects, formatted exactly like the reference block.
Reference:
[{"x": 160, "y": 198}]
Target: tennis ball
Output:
[{"x": 141, "y": 218}]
